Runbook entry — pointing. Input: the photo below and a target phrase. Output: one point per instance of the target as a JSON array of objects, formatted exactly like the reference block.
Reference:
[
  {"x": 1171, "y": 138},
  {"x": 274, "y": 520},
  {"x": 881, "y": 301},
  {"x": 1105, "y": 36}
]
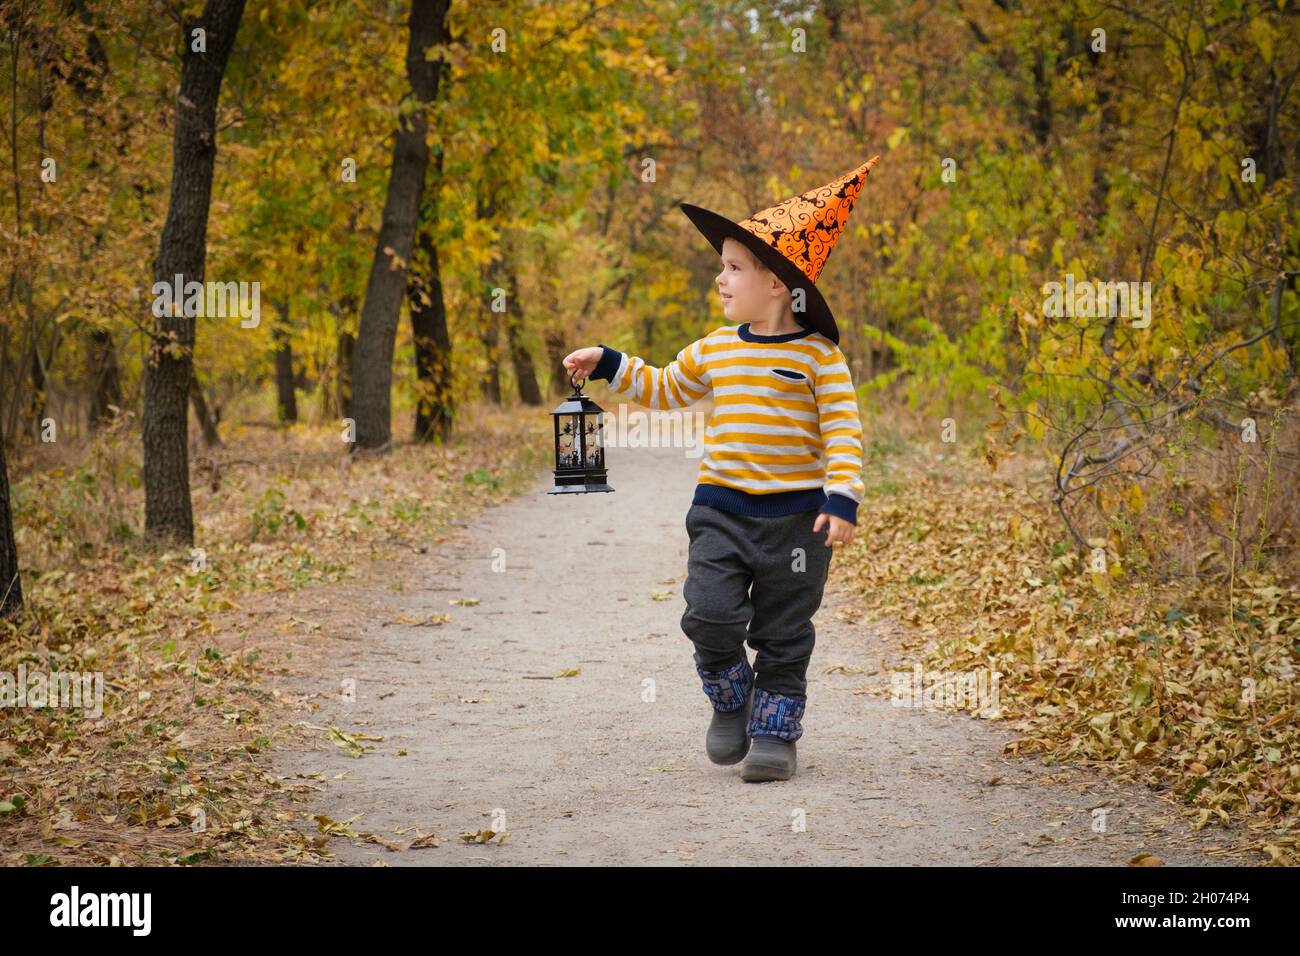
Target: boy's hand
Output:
[
  {"x": 582, "y": 363},
  {"x": 841, "y": 531}
]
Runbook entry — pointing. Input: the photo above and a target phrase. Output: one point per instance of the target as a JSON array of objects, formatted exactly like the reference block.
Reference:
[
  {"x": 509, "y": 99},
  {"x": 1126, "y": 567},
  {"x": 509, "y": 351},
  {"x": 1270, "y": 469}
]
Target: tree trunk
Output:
[
  {"x": 553, "y": 339},
  {"x": 1041, "y": 120},
  {"x": 336, "y": 376},
  {"x": 169, "y": 516},
  {"x": 207, "y": 419},
  {"x": 435, "y": 405},
  {"x": 24, "y": 357},
  {"x": 520, "y": 357},
  {"x": 385, "y": 288},
  {"x": 490, "y": 336},
  {"x": 556, "y": 349},
  {"x": 489, "y": 332},
  {"x": 11, "y": 585},
  {"x": 343, "y": 382},
  {"x": 286, "y": 404},
  {"x": 37, "y": 409},
  {"x": 106, "y": 390},
  {"x": 522, "y": 360}
]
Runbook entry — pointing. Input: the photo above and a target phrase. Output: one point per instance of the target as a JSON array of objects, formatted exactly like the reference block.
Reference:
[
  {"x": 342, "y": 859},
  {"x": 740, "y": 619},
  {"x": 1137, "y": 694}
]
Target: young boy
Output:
[{"x": 782, "y": 465}]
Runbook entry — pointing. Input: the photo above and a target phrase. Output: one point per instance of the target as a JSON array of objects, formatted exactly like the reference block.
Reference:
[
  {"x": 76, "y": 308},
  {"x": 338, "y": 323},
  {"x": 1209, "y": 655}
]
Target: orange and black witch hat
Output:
[{"x": 793, "y": 239}]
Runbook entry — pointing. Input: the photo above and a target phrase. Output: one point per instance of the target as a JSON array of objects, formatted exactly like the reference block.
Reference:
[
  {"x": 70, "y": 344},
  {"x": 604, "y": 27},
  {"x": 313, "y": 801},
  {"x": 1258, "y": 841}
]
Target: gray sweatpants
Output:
[{"x": 755, "y": 578}]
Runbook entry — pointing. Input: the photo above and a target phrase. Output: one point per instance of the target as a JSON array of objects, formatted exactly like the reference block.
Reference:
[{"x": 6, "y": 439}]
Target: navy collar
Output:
[{"x": 749, "y": 336}]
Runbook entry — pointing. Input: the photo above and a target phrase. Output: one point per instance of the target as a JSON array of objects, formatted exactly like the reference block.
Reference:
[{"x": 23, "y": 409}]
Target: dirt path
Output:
[{"x": 586, "y": 771}]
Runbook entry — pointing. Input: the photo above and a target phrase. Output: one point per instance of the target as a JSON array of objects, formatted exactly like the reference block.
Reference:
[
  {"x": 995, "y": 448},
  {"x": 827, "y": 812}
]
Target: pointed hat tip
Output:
[{"x": 861, "y": 171}]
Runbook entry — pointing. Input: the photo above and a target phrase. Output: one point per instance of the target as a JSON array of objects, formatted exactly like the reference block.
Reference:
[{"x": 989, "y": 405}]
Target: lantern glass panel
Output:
[
  {"x": 594, "y": 440},
  {"x": 568, "y": 450},
  {"x": 564, "y": 439}
]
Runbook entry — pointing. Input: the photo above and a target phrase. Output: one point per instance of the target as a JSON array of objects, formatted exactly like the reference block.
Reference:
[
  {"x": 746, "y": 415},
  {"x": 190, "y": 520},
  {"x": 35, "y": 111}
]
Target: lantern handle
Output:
[{"x": 573, "y": 380}]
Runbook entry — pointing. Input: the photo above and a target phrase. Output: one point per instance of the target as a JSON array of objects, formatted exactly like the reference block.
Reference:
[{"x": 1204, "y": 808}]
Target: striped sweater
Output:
[{"x": 784, "y": 435}]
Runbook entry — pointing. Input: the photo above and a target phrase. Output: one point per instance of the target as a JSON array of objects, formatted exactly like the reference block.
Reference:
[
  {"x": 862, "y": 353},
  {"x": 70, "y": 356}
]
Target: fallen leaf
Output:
[
  {"x": 339, "y": 739},
  {"x": 334, "y": 827}
]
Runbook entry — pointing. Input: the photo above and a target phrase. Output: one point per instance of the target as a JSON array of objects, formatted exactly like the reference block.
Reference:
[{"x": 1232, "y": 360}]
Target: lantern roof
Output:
[{"x": 576, "y": 404}]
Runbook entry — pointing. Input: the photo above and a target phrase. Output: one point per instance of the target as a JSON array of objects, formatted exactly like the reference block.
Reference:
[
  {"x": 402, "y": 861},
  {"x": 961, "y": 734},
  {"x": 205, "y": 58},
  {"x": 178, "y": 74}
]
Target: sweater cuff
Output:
[
  {"x": 841, "y": 506},
  {"x": 607, "y": 367}
]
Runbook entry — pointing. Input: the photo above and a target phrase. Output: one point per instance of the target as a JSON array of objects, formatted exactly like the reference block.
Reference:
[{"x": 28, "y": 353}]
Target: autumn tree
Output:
[
  {"x": 207, "y": 42},
  {"x": 372, "y": 359}
]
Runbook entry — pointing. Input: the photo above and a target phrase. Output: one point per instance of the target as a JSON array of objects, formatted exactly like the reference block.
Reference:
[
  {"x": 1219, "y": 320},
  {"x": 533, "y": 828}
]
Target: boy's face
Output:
[{"x": 749, "y": 291}]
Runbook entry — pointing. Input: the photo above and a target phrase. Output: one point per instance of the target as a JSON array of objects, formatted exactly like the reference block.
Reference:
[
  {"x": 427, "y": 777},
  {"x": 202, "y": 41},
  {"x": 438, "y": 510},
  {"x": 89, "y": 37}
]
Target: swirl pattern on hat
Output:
[{"x": 804, "y": 228}]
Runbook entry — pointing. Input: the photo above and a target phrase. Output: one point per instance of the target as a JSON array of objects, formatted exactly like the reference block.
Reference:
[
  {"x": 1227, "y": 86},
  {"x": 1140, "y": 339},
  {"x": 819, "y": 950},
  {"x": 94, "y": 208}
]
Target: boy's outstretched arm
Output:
[
  {"x": 841, "y": 428},
  {"x": 679, "y": 383}
]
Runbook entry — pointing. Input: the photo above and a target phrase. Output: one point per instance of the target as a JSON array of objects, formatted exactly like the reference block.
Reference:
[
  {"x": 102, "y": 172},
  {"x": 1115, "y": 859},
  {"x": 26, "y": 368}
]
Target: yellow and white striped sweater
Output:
[{"x": 784, "y": 435}]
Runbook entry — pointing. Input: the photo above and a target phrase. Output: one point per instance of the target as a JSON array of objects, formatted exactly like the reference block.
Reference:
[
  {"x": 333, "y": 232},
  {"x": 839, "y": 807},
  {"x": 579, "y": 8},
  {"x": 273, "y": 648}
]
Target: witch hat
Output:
[{"x": 793, "y": 239}]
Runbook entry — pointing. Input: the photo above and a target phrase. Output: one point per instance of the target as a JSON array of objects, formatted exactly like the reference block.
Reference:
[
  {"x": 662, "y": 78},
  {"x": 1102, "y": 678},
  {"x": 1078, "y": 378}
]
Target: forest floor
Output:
[
  {"x": 485, "y": 703},
  {"x": 422, "y": 658}
]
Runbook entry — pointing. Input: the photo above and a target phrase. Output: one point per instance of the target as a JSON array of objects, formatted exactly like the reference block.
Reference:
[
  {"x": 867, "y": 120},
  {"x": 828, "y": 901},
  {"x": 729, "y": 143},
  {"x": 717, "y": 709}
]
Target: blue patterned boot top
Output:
[
  {"x": 775, "y": 715},
  {"x": 728, "y": 690}
]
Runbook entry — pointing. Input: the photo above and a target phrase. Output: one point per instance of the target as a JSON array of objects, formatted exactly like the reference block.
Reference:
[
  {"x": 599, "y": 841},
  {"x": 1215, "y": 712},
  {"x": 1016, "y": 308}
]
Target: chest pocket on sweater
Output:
[{"x": 791, "y": 375}]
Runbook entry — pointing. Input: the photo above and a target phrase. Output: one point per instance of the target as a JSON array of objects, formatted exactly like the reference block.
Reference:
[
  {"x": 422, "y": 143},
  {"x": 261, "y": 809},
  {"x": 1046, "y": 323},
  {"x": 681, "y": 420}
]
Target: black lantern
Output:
[{"x": 579, "y": 445}]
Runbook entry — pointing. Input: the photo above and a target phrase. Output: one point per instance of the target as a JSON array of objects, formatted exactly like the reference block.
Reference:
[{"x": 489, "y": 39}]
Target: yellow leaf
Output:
[
  {"x": 341, "y": 740},
  {"x": 1033, "y": 424},
  {"x": 1262, "y": 34},
  {"x": 334, "y": 827}
]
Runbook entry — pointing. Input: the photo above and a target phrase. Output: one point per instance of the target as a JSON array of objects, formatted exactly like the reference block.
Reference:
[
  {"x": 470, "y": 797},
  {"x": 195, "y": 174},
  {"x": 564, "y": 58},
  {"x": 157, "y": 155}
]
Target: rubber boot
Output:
[
  {"x": 775, "y": 725},
  {"x": 731, "y": 692}
]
